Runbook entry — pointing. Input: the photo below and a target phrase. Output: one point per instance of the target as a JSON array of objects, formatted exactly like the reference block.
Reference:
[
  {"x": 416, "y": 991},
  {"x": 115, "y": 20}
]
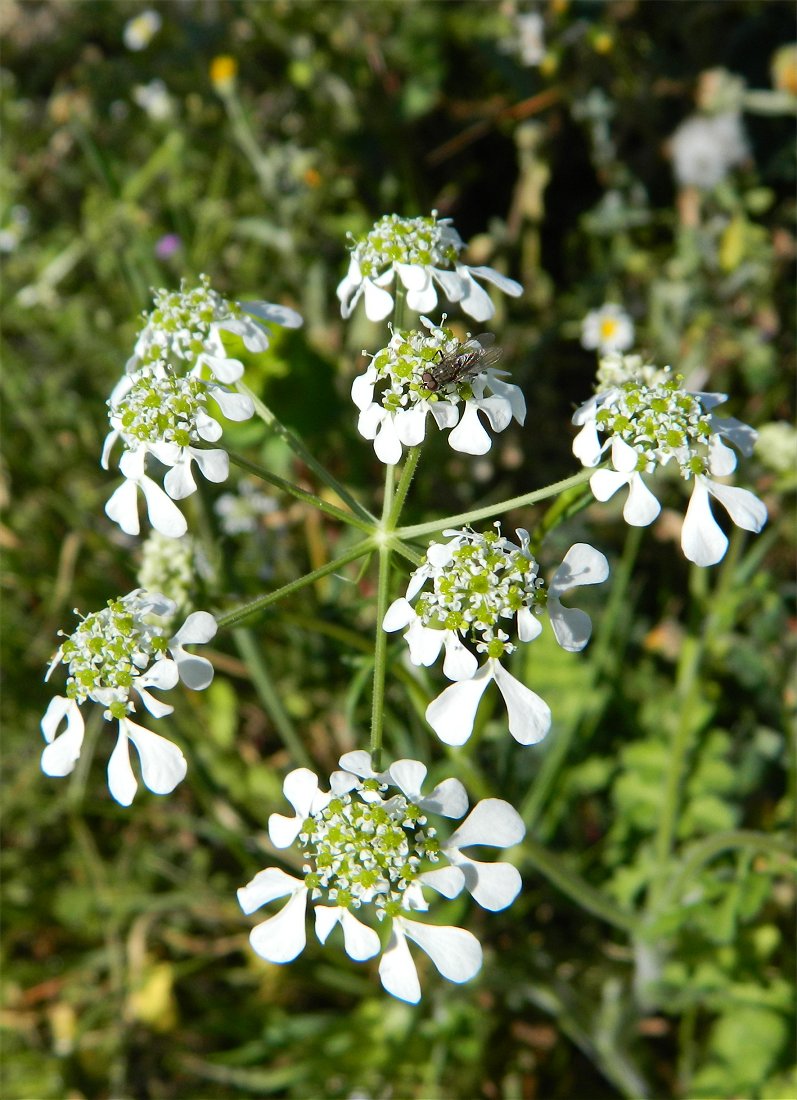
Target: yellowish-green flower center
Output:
[{"x": 426, "y": 242}]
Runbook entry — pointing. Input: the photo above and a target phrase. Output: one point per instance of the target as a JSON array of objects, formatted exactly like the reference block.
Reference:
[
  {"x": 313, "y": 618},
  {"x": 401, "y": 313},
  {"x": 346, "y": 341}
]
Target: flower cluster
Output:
[
  {"x": 369, "y": 844},
  {"x": 648, "y": 421},
  {"x": 431, "y": 371},
  {"x": 422, "y": 252},
  {"x": 117, "y": 654},
  {"x": 482, "y": 584},
  {"x": 160, "y": 406}
]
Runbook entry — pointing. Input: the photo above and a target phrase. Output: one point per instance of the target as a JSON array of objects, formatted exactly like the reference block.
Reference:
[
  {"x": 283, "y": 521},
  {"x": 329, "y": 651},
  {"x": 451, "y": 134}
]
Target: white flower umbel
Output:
[
  {"x": 607, "y": 329},
  {"x": 239, "y": 512},
  {"x": 424, "y": 254},
  {"x": 422, "y": 372},
  {"x": 369, "y": 847},
  {"x": 185, "y": 327},
  {"x": 645, "y": 424},
  {"x": 157, "y": 412},
  {"x": 481, "y": 586},
  {"x": 114, "y": 656},
  {"x": 141, "y": 29}
]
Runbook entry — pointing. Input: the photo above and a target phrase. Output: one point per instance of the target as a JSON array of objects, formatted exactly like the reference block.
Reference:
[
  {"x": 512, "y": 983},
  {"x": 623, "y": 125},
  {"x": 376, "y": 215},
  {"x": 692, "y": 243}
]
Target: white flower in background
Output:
[
  {"x": 607, "y": 329},
  {"x": 432, "y": 372},
  {"x": 644, "y": 425},
  {"x": 706, "y": 147},
  {"x": 139, "y": 31},
  {"x": 776, "y": 446},
  {"x": 421, "y": 252},
  {"x": 529, "y": 43},
  {"x": 170, "y": 566},
  {"x": 239, "y": 512},
  {"x": 156, "y": 412},
  {"x": 185, "y": 328},
  {"x": 115, "y": 656},
  {"x": 154, "y": 99},
  {"x": 481, "y": 586},
  {"x": 368, "y": 844}
]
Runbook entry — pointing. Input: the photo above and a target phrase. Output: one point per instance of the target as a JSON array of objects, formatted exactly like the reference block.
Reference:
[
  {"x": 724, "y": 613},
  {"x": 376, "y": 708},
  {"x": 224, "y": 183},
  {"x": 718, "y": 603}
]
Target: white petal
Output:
[
  {"x": 741, "y": 435},
  {"x": 408, "y": 776},
  {"x": 587, "y": 446},
  {"x": 62, "y": 750},
  {"x": 447, "y": 881},
  {"x": 326, "y": 917},
  {"x": 122, "y": 507},
  {"x": 200, "y": 626},
  {"x": 235, "y": 406},
  {"x": 582, "y": 564},
  {"x": 300, "y": 787},
  {"x": 572, "y": 628},
  {"x": 460, "y": 663},
  {"x": 267, "y": 886},
  {"x": 445, "y": 414},
  {"x": 162, "y": 675},
  {"x": 413, "y": 276},
  {"x": 274, "y": 313},
  {"x": 107, "y": 447},
  {"x": 641, "y": 507},
  {"x": 457, "y": 954},
  {"x": 528, "y": 625},
  {"x": 451, "y": 715},
  {"x": 253, "y": 336},
  {"x": 529, "y": 715},
  {"x": 492, "y": 822},
  {"x": 163, "y": 765},
  {"x": 424, "y": 643},
  {"x": 179, "y": 481},
  {"x": 449, "y": 799},
  {"x": 221, "y": 367},
  {"x": 469, "y": 436},
  {"x": 370, "y": 420},
  {"x": 378, "y": 302},
  {"x": 121, "y": 781},
  {"x": 624, "y": 457},
  {"x": 282, "y": 937},
  {"x": 605, "y": 483},
  {"x": 164, "y": 515},
  {"x": 744, "y": 507},
  {"x": 512, "y": 394},
  {"x": 156, "y": 707},
  {"x": 283, "y": 830},
  {"x": 451, "y": 283},
  {"x": 360, "y": 941},
  {"x": 348, "y": 287},
  {"x": 362, "y": 389},
  {"x": 498, "y": 411},
  {"x": 386, "y": 443},
  {"x": 493, "y": 885},
  {"x": 398, "y": 615},
  {"x": 702, "y": 539},
  {"x": 397, "y": 969},
  {"x": 475, "y": 301},
  {"x": 207, "y": 428},
  {"x": 508, "y": 286},
  {"x": 721, "y": 459},
  {"x": 359, "y": 762},
  {"x": 411, "y": 425},
  {"x": 215, "y": 465}
]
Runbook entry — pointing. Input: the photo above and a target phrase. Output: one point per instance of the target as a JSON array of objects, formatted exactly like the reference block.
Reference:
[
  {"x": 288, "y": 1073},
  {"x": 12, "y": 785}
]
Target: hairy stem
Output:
[{"x": 380, "y": 645}]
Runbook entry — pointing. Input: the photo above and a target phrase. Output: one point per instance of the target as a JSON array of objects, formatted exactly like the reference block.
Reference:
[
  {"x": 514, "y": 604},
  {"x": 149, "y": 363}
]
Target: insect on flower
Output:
[{"x": 471, "y": 357}]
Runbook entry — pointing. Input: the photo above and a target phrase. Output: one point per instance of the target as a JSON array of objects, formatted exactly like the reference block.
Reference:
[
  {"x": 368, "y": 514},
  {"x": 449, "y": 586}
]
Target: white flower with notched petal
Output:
[
  {"x": 421, "y": 252},
  {"x": 157, "y": 412},
  {"x": 607, "y": 329},
  {"x": 113, "y": 655},
  {"x": 480, "y": 584},
  {"x": 646, "y": 423},
  {"x": 366, "y": 846},
  {"x": 185, "y": 327},
  {"x": 422, "y": 372}
]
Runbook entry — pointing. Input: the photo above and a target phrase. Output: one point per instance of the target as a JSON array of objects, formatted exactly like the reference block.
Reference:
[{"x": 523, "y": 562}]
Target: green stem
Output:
[
  {"x": 575, "y": 887},
  {"x": 230, "y": 618},
  {"x": 299, "y": 449},
  {"x": 567, "y": 505},
  {"x": 380, "y": 646},
  {"x": 403, "y": 487},
  {"x": 301, "y": 494},
  {"x": 253, "y": 658},
  {"x": 419, "y": 529}
]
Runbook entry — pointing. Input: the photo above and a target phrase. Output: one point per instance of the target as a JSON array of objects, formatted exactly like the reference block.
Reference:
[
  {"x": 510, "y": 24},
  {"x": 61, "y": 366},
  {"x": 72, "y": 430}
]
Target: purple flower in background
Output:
[{"x": 168, "y": 245}]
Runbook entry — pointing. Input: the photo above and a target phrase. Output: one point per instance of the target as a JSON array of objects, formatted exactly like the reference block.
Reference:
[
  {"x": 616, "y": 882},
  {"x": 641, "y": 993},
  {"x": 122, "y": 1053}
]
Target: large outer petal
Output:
[
  {"x": 360, "y": 941},
  {"x": 398, "y": 615},
  {"x": 378, "y": 301},
  {"x": 469, "y": 436},
  {"x": 274, "y": 313},
  {"x": 163, "y": 765},
  {"x": 62, "y": 750},
  {"x": 387, "y": 444},
  {"x": 397, "y": 970},
  {"x": 282, "y": 937},
  {"x": 492, "y": 822},
  {"x": 582, "y": 564},
  {"x": 164, "y": 515},
  {"x": 452, "y": 714},
  {"x": 529, "y": 715},
  {"x": 572, "y": 627},
  {"x": 122, "y": 507},
  {"x": 460, "y": 663},
  {"x": 448, "y": 881},
  {"x": 702, "y": 539},
  {"x": 424, "y": 643},
  {"x": 493, "y": 885},
  {"x": 121, "y": 781},
  {"x": 744, "y": 507},
  {"x": 266, "y": 886},
  {"x": 457, "y": 954},
  {"x": 475, "y": 301}
]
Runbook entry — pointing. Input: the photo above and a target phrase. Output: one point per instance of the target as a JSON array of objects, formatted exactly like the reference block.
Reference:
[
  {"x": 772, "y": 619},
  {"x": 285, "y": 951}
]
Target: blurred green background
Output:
[{"x": 126, "y": 969}]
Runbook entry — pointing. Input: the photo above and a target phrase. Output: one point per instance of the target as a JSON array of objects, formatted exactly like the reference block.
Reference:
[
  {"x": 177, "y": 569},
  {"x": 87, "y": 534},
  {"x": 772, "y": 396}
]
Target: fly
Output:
[{"x": 471, "y": 357}]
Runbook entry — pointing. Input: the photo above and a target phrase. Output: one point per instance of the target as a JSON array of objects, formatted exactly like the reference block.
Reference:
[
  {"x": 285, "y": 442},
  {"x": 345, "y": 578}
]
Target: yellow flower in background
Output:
[
  {"x": 223, "y": 71},
  {"x": 784, "y": 69}
]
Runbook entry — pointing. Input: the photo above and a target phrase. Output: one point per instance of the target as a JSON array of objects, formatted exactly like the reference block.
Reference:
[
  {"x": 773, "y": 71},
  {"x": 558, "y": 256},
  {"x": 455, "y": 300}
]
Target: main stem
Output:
[{"x": 380, "y": 646}]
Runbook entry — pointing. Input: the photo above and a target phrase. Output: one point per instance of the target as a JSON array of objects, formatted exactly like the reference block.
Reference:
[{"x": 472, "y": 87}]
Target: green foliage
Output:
[{"x": 649, "y": 955}]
